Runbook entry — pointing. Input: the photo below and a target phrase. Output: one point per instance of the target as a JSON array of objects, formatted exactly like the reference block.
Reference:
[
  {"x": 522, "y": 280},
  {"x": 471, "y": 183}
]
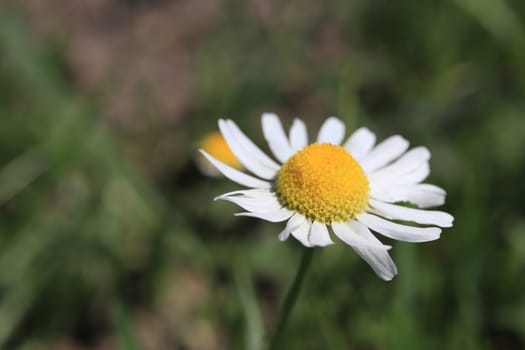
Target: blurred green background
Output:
[{"x": 109, "y": 238}]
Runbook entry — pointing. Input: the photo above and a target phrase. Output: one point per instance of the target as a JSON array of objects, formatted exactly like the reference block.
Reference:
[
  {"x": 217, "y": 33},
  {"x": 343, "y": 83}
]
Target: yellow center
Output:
[{"x": 324, "y": 183}]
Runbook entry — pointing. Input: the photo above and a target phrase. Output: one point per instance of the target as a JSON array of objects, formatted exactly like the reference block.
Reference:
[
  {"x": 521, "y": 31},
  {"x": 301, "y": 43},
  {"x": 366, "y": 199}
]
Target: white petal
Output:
[
  {"x": 425, "y": 217},
  {"x": 250, "y": 156},
  {"x": 253, "y": 193},
  {"x": 353, "y": 236},
  {"x": 319, "y": 235},
  {"x": 275, "y": 136},
  {"x": 385, "y": 152},
  {"x": 360, "y": 143},
  {"x": 332, "y": 131},
  {"x": 293, "y": 224},
  {"x": 378, "y": 259},
  {"x": 302, "y": 233},
  {"x": 236, "y": 175},
  {"x": 260, "y": 204},
  {"x": 407, "y": 163},
  {"x": 298, "y": 135},
  {"x": 423, "y": 195},
  {"x": 251, "y": 147},
  {"x": 397, "y": 231},
  {"x": 272, "y": 216},
  {"x": 411, "y": 178}
]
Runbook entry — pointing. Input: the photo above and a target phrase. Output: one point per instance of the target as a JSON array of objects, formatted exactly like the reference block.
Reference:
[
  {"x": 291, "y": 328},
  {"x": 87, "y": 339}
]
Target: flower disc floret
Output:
[{"x": 324, "y": 183}]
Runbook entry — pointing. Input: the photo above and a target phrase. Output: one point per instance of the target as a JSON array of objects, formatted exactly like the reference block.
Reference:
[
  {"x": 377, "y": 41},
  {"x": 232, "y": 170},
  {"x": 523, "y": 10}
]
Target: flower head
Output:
[{"x": 350, "y": 188}]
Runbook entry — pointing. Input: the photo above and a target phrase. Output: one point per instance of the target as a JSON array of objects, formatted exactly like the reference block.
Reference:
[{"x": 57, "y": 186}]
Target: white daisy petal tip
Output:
[
  {"x": 447, "y": 219},
  {"x": 301, "y": 233},
  {"x": 275, "y": 137},
  {"x": 365, "y": 132},
  {"x": 385, "y": 152},
  {"x": 436, "y": 232},
  {"x": 321, "y": 243},
  {"x": 423, "y": 195},
  {"x": 332, "y": 131},
  {"x": 294, "y": 223},
  {"x": 269, "y": 115},
  {"x": 399, "y": 212},
  {"x": 398, "y": 231},
  {"x": 283, "y": 236},
  {"x": 319, "y": 235},
  {"x": 298, "y": 135},
  {"x": 424, "y": 151},
  {"x": 388, "y": 276},
  {"x": 452, "y": 218},
  {"x": 360, "y": 142},
  {"x": 386, "y": 271}
]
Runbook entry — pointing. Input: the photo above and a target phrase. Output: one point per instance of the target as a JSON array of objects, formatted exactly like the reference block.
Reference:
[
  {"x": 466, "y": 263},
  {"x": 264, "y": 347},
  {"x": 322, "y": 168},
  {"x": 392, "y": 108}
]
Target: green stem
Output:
[{"x": 291, "y": 297}]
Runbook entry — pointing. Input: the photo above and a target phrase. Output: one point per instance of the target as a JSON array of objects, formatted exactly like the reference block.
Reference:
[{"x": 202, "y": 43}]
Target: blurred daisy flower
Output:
[
  {"x": 215, "y": 145},
  {"x": 348, "y": 188}
]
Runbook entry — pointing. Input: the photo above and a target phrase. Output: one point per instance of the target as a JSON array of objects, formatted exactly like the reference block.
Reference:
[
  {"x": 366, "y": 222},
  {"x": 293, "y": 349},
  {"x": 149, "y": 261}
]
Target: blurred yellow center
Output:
[
  {"x": 324, "y": 183},
  {"x": 215, "y": 145}
]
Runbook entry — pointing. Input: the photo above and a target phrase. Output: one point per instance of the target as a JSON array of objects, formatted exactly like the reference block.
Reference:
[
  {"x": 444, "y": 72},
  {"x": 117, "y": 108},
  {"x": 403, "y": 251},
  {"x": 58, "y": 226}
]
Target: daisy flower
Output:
[{"x": 336, "y": 187}]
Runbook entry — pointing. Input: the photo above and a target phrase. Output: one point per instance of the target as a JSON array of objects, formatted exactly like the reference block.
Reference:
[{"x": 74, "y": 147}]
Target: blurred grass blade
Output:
[
  {"x": 254, "y": 331},
  {"x": 15, "y": 304},
  {"x": 123, "y": 327},
  {"x": 16, "y": 175},
  {"x": 498, "y": 18}
]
